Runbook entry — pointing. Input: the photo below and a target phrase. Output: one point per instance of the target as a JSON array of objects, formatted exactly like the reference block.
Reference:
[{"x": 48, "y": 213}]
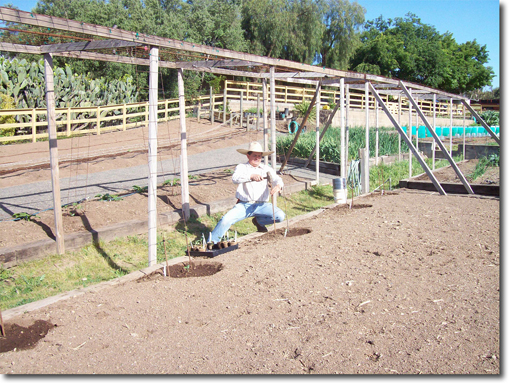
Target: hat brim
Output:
[{"x": 246, "y": 151}]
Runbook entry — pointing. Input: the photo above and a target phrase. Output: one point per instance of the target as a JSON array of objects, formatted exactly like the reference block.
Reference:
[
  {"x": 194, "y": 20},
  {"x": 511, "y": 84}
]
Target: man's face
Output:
[{"x": 254, "y": 158}]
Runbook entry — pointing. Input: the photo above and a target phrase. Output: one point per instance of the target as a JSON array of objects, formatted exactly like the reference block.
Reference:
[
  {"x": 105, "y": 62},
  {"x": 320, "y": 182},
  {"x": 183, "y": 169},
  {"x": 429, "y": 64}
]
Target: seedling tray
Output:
[{"x": 213, "y": 252}]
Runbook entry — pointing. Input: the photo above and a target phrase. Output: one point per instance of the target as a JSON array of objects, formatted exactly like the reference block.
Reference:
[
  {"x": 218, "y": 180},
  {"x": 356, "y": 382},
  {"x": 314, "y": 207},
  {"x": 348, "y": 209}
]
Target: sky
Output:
[{"x": 465, "y": 19}]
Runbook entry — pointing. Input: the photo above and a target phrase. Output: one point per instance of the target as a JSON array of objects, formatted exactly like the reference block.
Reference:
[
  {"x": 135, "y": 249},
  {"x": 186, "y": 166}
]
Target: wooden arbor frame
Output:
[{"x": 102, "y": 43}]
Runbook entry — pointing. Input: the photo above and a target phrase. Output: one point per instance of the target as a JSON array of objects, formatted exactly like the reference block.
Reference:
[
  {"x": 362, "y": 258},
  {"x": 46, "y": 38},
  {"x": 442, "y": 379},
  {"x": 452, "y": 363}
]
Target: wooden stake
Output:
[{"x": 2, "y": 328}]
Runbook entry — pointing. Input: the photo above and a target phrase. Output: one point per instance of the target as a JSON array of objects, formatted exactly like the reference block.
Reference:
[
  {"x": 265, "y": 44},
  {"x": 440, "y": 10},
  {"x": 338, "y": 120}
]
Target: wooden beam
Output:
[
  {"x": 408, "y": 142},
  {"x": 438, "y": 141},
  {"x": 143, "y": 61},
  {"x": 303, "y": 123},
  {"x": 87, "y": 45},
  {"x": 326, "y": 125},
  {"x": 16, "y": 16},
  {"x": 19, "y": 48}
]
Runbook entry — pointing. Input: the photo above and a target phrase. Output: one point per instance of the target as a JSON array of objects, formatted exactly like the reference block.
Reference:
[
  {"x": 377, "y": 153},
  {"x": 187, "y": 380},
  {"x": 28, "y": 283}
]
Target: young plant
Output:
[
  {"x": 173, "y": 182},
  {"x": 108, "y": 197},
  {"x": 24, "y": 216},
  {"x": 139, "y": 189}
]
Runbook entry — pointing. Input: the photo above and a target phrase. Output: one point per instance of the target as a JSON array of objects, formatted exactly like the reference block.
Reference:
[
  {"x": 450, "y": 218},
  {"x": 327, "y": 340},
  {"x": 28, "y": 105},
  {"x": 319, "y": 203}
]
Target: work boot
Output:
[{"x": 260, "y": 228}]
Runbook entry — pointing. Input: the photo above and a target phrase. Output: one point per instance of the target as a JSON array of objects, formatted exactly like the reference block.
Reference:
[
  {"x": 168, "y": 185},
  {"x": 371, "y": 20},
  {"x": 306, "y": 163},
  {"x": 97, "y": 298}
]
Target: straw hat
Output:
[{"x": 254, "y": 147}]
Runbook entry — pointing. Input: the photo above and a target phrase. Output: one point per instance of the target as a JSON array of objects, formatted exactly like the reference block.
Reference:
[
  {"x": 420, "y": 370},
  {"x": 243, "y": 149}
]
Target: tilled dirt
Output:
[{"x": 401, "y": 283}]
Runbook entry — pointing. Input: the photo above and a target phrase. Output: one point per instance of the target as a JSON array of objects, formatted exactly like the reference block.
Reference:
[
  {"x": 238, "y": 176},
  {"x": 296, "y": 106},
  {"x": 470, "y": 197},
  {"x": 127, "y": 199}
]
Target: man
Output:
[{"x": 252, "y": 193}]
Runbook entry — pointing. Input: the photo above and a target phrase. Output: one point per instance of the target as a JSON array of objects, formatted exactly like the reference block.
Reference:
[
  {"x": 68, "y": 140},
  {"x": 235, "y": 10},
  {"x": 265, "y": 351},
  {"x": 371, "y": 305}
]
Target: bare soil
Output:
[{"x": 402, "y": 283}]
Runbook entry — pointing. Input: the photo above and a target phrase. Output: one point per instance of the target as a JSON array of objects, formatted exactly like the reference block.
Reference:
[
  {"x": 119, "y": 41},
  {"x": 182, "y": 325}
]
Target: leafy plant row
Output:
[{"x": 330, "y": 144}]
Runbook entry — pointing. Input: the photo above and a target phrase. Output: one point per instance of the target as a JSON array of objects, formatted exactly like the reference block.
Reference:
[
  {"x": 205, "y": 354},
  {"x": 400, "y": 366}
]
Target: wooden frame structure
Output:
[{"x": 102, "y": 43}]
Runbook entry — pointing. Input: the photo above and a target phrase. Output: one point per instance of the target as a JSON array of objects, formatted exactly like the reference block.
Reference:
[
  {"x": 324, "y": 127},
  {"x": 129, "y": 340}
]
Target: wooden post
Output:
[
  {"x": 450, "y": 128},
  {"x": 34, "y": 130},
  {"x": 348, "y": 101},
  {"x": 68, "y": 122},
  {"x": 258, "y": 113},
  {"x": 417, "y": 119},
  {"x": 399, "y": 111},
  {"x": 376, "y": 154},
  {"x": 152, "y": 156},
  {"x": 365, "y": 162},
  {"x": 54, "y": 153},
  {"x": 273, "y": 119},
  {"x": 124, "y": 117},
  {"x": 266, "y": 121},
  {"x": 464, "y": 130},
  {"x": 317, "y": 135},
  {"x": 342, "y": 142},
  {"x": 199, "y": 108},
  {"x": 224, "y": 102},
  {"x": 98, "y": 120},
  {"x": 434, "y": 130},
  {"x": 410, "y": 137},
  {"x": 241, "y": 113},
  {"x": 184, "y": 174},
  {"x": 364, "y": 169},
  {"x": 211, "y": 107}
]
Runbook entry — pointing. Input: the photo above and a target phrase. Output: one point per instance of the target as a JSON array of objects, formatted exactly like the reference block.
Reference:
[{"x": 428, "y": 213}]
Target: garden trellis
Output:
[{"x": 94, "y": 42}]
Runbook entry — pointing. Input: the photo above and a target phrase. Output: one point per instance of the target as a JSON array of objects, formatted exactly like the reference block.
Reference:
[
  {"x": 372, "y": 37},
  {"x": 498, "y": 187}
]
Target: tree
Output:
[
  {"x": 412, "y": 51},
  {"x": 266, "y": 23},
  {"x": 341, "y": 20}
]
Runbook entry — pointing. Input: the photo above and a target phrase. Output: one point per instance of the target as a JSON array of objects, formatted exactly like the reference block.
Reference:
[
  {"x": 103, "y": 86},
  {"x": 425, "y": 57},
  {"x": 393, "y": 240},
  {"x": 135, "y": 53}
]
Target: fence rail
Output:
[{"x": 31, "y": 123}]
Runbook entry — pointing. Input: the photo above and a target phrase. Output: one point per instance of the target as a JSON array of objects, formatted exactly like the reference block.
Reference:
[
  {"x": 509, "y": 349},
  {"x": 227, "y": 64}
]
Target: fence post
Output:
[
  {"x": 68, "y": 123},
  {"x": 241, "y": 114},
  {"x": 124, "y": 117},
  {"x": 224, "y": 103},
  {"x": 34, "y": 139},
  {"x": 211, "y": 107},
  {"x": 98, "y": 120}
]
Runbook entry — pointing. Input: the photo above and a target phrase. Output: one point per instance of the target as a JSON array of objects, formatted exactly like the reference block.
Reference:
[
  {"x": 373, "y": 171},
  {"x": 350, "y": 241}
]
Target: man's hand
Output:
[
  {"x": 276, "y": 189},
  {"x": 256, "y": 177}
]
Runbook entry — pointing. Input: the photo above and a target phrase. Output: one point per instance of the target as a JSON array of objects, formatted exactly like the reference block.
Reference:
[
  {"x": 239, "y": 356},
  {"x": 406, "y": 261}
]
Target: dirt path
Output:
[{"x": 404, "y": 283}]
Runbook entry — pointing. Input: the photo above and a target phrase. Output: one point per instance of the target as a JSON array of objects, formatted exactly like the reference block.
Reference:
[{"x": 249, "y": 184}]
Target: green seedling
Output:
[
  {"x": 108, "y": 197},
  {"x": 23, "y": 215},
  {"x": 173, "y": 182},
  {"x": 139, "y": 189}
]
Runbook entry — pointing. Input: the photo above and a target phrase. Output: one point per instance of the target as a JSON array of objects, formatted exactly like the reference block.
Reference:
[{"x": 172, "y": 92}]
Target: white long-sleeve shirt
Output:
[{"x": 253, "y": 191}]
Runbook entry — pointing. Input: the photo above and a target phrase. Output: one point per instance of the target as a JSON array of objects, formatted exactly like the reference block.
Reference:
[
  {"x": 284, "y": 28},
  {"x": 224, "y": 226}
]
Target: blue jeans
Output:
[{"x": 263, "y": 211}]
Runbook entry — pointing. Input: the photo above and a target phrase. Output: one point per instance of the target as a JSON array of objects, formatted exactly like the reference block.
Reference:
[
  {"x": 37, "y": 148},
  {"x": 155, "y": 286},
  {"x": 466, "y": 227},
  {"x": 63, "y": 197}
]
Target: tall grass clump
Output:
[{"x": 330, "y": 144}]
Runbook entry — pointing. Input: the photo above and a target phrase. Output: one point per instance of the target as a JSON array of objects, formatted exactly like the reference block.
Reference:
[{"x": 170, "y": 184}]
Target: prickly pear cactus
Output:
[{"x": 23, "y": 81}]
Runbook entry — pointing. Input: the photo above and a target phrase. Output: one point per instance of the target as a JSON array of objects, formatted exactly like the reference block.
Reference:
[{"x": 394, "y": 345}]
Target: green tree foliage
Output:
[
  {"x": 407, "y": 49},
  {"x": 322, "y": 31},
  {"x": 341, "y": 20}
]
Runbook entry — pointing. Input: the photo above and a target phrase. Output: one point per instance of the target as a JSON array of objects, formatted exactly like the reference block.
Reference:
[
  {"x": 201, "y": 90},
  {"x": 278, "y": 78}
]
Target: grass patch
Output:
[
  {"x": 483, "y": 164},
  {"x": 35, "y": 280},
  {"x": 382, "y": 176}
]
